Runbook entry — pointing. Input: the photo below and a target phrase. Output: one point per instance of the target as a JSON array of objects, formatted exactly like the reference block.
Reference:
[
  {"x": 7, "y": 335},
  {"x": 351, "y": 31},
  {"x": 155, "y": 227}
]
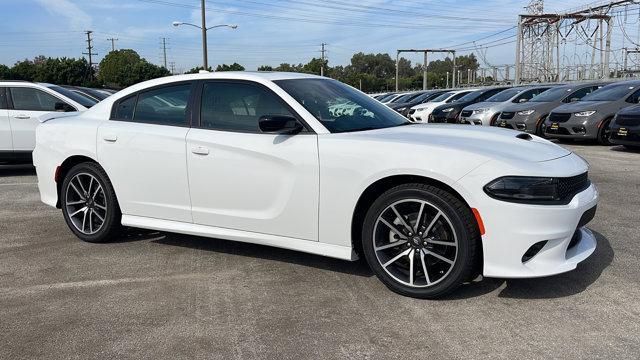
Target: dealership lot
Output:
[{"x": 156, "y": 295}]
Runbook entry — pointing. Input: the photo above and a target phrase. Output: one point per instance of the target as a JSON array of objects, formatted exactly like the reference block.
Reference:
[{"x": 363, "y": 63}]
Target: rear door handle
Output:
[
  {"x": 200, "y": 150},
  {"x": 22, "y": 117},
  {"x": 110, "y": 137}
]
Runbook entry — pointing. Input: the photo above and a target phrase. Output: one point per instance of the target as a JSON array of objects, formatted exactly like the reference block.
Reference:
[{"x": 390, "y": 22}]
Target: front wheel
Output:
[
  {"x": 420, "y": 240},
  {"x": 89, "y": 203},
  {"x": 604, "y": 133}
]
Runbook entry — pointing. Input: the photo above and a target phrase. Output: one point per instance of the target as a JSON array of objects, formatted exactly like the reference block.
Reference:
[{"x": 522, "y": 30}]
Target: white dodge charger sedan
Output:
[{"x": 266, "y": 158}]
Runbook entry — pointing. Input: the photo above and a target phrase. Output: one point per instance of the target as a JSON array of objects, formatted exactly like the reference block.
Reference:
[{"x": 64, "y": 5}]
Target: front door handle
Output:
[
  {"x": 110, "y": 137},
  {"x": 200, "y": 150},
  {"x": 22, "y": 117}
]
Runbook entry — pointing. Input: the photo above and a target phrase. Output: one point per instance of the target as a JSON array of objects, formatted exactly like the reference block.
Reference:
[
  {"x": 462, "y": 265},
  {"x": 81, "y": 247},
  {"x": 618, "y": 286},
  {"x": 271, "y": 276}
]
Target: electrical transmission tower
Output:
[
  {"x": 164, "y": 52},
  {"x": 323, "y": 51},
  {"x": 541, "y": 37}
]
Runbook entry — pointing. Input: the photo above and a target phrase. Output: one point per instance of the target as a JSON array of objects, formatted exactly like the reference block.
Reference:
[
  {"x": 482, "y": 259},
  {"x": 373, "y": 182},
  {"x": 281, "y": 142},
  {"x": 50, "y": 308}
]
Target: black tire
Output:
[
  {"x": 111, "y": 226},
  {"x": 540, "y": 126},
  {"x": 604, "y": 133},
  {"x": 458, "y": 216}
]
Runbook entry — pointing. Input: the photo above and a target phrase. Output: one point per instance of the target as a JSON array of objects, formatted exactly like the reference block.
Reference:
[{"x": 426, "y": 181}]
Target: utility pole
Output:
[
  {"x": 323, "y": 58},
  {"x": 424, "y": 70},
  {"x": 90, "y": 52},
  {"x": 164, "y": 51},
  {"x": 447, "y": 80},
  {"x": 172, "y": 67},
  {"x": 205, "y": 61},
  {"x": 113, "y": 43}
]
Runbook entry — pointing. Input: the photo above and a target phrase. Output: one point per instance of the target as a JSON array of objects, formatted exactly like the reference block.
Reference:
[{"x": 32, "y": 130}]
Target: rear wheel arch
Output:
[
  {"x": 64, "y": 169},
  {"x": 379, "y": 187}
]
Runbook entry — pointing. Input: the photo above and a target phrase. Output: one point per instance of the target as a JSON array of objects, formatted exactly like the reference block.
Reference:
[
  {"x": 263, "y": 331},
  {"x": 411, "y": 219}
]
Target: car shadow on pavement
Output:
[
  {"x": 567, "y": 284},
  {"x": 17, "y": 170},
  {"x": 359, "y": 268},
  {"x": 623, "y": 149}
]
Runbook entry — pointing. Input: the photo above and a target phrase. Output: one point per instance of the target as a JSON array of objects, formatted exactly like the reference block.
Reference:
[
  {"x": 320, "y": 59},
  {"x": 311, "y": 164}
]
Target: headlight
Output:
[
  {"x": 521, "y": 188},
  {"x": 480, "y": 111},
  {"x": 585, "y": 113},
  {"x": 526, "y": 112},
  {"x": 447, "y": 110}
]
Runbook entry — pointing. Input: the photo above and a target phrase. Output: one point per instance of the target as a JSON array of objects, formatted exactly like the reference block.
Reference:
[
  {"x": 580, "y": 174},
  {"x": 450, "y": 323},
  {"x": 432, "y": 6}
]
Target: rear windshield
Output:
[
  {"x": 80, "y": 99},
  {"x": 610, "y": 93}
]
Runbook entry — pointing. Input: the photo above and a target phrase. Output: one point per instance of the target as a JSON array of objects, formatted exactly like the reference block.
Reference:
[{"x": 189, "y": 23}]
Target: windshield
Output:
[
  {"x": 553, "y": 94},
  {"x": 95, "y": 93},
  {"x": 470, "y": 96},
  {"x": 609, "y": 93},
  {"x": 403, "y": 98},
  {"x": 442, "y": 97},
  {"x": 505, "y": 95},
  {"x": 422, "y": 97},
  {"x": 339, "y": 107},
  {"x": 80, "y": 99}
]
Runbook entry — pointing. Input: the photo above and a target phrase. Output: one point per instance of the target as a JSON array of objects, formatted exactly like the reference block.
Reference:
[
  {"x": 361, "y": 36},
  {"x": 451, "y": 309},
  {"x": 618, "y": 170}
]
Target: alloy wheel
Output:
[
  {"x": 85, "y": 203},
  {"x": 415, "y": 243}
]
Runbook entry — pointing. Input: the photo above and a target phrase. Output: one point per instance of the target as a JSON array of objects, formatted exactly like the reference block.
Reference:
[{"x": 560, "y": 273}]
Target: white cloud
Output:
[{"x": 78, "y": 19}]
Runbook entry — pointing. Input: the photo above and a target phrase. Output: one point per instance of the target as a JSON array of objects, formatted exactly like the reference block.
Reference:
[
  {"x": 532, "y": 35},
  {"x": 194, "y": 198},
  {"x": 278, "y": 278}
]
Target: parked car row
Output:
[
  {"x": 23, "y": 102},
  {"x": 588, "y": 111}
]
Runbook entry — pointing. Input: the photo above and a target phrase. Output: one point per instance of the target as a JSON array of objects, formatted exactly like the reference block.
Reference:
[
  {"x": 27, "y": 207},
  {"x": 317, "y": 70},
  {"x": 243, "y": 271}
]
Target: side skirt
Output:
[{"x": 311, "y": 247}]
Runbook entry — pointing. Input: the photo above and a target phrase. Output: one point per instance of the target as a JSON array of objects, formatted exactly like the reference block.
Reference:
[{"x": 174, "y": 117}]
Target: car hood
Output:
[
  {"x": 580, "y": 106},
  {"x": 489, "y": 142},
  {"x": 428, "y": 105}
]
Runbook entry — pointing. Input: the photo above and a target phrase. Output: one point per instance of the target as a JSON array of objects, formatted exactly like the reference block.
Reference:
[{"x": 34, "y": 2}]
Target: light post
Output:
[{"x": 204, "y": 30}]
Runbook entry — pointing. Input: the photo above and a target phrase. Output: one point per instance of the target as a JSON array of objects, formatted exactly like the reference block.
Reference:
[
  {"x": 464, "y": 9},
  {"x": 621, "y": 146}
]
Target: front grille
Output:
[
  {"x": 626, "y": 120},
  {"x": 466, "y": 113},
  {"x": 559, "y": 117},
  {"x": 569, "y": 186},
  {"x": 507, "y": 115}
]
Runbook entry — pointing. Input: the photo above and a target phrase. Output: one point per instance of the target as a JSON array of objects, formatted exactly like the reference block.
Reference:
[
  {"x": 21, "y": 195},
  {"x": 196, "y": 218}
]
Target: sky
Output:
[{"x": 269, "y": 32}]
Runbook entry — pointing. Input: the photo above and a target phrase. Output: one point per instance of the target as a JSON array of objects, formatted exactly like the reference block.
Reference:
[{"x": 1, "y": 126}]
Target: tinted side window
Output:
[
  {"x": 124, "y": 108},
  {"x": 237, "y": 106},
  {"x": 163, "y": 106},
  {"x": 488, "y": 94},
  {"x": 634, "y": 98},
  {"x": 579, "y": 94},
  {"x": 528, "y": 95},
  {"x": 25, "y": 98},
  {"x": 3, "y": 98}
]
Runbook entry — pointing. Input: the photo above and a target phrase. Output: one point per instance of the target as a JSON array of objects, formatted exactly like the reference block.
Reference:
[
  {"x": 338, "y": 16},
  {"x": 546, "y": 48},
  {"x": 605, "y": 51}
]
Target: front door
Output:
[
  {"x": 243, "y": 179},
  {"x": 142, "y": 149},
  {"x": 6, "y": 142}
]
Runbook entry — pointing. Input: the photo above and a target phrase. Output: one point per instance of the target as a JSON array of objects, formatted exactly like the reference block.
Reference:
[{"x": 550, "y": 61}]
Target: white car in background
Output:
[
  {"x": 21, "y": 105},
  {"x": 420, "y": 113},
  {"x": 262, "y": 158}
]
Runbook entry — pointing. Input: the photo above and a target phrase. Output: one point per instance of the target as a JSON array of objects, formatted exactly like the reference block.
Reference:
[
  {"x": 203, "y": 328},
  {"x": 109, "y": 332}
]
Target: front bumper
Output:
[
  {"x": 625, "y": 135},
  {"x": 574, "y": 128},
  {"x": 476, "y": 119},
  {"x": 526, "y": 123},
  {"x": 512, "y": 229}
]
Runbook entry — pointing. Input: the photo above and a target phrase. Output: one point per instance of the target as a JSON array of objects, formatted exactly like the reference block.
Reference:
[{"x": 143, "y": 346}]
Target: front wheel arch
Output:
[{"x": 379, "y": 187}]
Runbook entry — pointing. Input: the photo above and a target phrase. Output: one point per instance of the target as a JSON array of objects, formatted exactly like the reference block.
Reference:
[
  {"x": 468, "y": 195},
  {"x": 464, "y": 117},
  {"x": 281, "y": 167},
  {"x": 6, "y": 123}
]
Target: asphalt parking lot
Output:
[{"x": 155, "y": 295}]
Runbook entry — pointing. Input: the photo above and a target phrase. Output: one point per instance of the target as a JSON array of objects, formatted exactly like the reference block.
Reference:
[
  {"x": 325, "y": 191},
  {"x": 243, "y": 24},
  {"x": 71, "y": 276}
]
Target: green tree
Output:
[
  {"x": 233, "y": 67},
  {"x": 23, "y": 70},
  {"x": 265, "y": 68},
  {"x": 197, "y": 69},
  {"x": 122, "y": 68},
  {"x": 5, "y": 72}
]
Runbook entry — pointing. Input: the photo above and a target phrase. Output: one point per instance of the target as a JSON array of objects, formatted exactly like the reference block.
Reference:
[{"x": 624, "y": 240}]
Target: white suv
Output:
[{"x": 21, "y": 103}]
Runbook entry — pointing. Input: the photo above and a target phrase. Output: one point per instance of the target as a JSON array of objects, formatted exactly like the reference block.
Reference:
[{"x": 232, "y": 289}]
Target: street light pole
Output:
[{"x": 205, "y": 61}]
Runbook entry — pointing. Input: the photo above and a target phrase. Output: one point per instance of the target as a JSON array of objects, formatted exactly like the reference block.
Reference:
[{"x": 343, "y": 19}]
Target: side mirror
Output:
[
  {"x": 64, "y": 107},
  {"x": 279, "y": 124}
]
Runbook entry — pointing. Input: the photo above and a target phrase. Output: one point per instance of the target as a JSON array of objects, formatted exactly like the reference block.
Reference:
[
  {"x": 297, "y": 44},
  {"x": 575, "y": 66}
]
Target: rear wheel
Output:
[
  {"x": 604, "y": 133},
  {"x": 420, "y": 240},
  {"x": 89, "y": 204}
]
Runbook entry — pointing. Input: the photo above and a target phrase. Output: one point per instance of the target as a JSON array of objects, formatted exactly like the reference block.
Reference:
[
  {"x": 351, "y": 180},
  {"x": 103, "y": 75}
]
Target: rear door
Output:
[
  {"x": 6, "y": 142},
  {"x": 142, "y": 148},
  {"x": 28, "y": 104}
]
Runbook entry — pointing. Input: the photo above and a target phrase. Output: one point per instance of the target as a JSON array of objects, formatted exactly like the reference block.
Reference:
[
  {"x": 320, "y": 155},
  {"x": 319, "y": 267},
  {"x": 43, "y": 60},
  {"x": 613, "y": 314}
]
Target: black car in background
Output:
[
  {"x": 94, "y": 94},
  {"x": 422, "y": 97},
  {"x": 448, "y": 113},
  {"x": 625, "y": 128}
]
